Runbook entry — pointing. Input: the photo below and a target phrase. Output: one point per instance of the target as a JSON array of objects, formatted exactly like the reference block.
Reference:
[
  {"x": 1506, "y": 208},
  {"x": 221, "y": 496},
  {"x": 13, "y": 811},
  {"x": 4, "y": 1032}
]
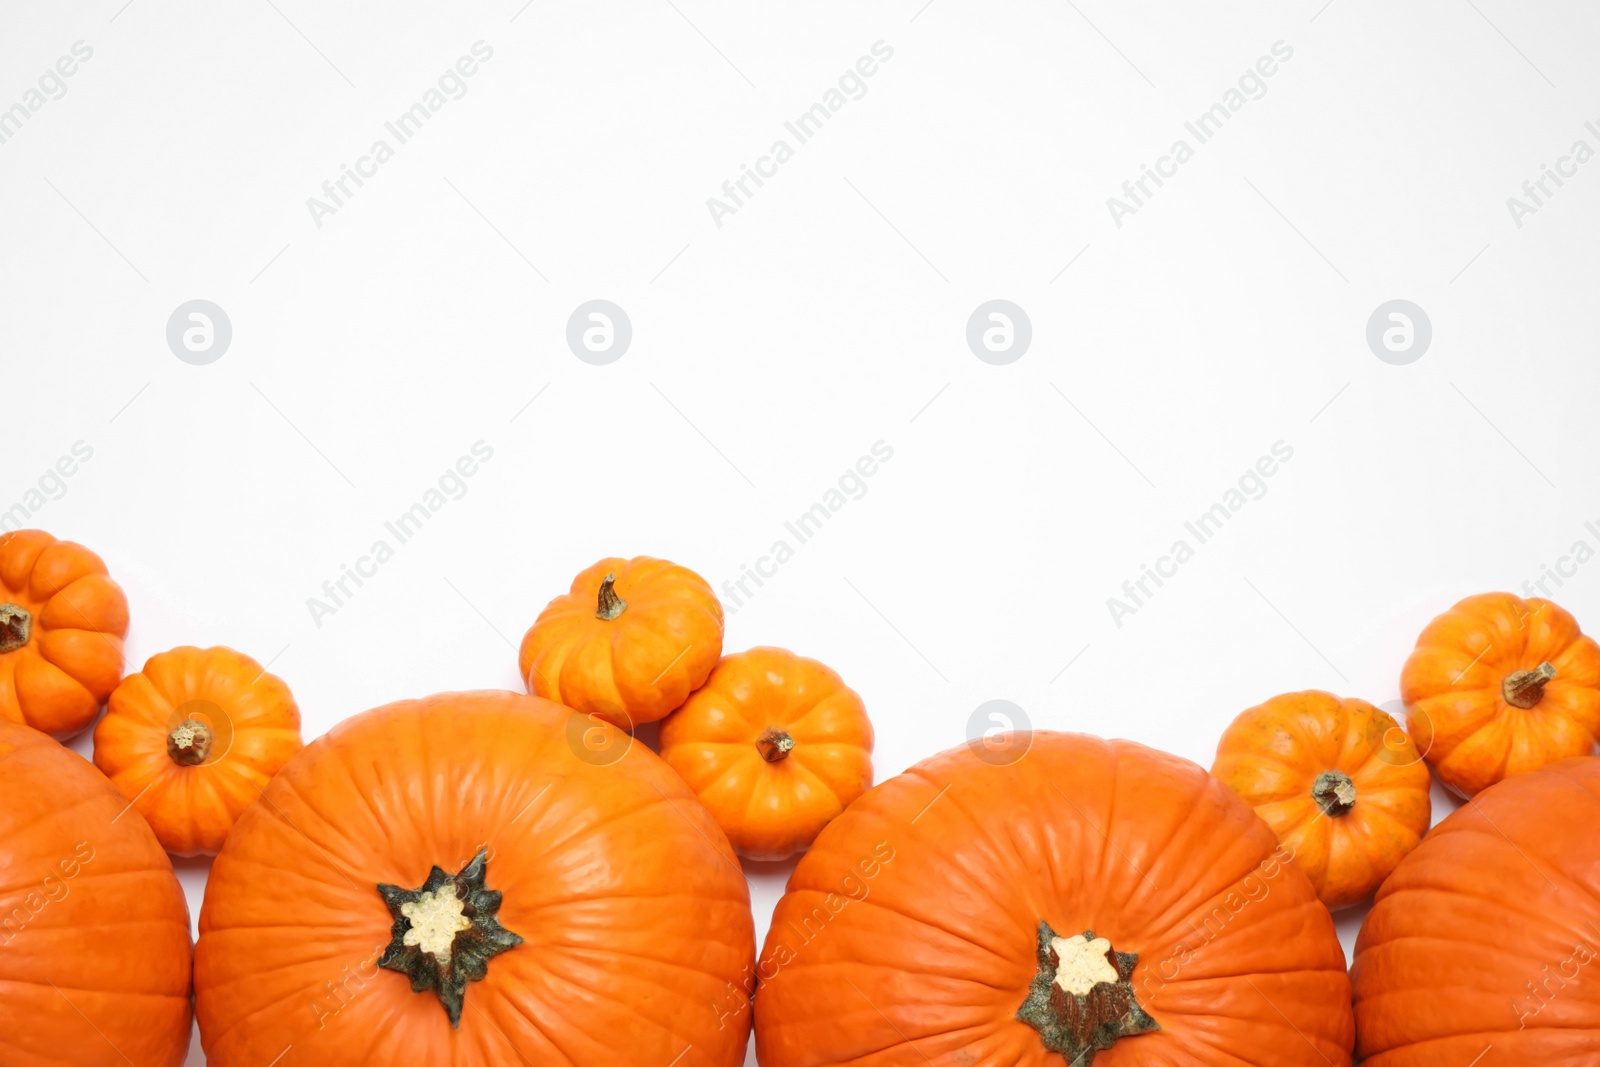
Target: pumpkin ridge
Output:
[
  {"x": 1549, "y": 874},
  {"x": 63, "y": 596},
  {"x": 617, "y": 816},
  {"x": 120, "y": 993},
  {"x": 16, "y": 830},
  {"x": 900, "y": 913},
  {"x": 285, "y": 784},
  {"x": 215, "y": 1038},
  {"x": 1183, "y": 901},
  {"x": 798, "y": 719},
  {"x": 36, "y": 651},
  {"x": 804, "y": 770},
  {"x": 972, "y": 882},
  {"x": 815, "y": 764},
  {"x": 595, "y": 973},
  {"x": 532, "y": 1022},
  {"x": 1373, "y": 810},
  {"x": 1293, "y": 816},
  {"x": 715, "y": 790}
]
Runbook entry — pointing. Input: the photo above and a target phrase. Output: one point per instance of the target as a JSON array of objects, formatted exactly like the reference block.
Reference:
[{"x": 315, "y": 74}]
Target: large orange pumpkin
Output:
[
  {"x": 1339, "y": 782},
  {"x": 62, "y": 621},
  {"x": 629, "y": 642},
  {"x": 1498, "y": 686},
  {"x": 1484, "y": 946},
  {"x": 461, "y": 880},
  {"x": 1093, "y": 901},
  {"x": 192, "y": 740},
  {"x": 94, "y": 930},
  {"x": 775, "y": 745}
]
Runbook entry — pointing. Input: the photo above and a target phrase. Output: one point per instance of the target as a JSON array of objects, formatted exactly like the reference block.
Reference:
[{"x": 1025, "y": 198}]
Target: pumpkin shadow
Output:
[
  {"x": 767, "y": 869},
  {"x": 193, "y": 872}
]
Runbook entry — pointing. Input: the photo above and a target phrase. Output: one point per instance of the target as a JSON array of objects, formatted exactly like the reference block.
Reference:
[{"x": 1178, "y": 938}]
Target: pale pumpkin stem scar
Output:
[
  {"x": 190, "y": 743},
  {"x": 1524, "y": 689},
  {"x": 436, "y": 918},
  {"x": 446, "y": 932},
  {"x": 1082, "y": 999},
  {"x": 611, "y": 605},
  {"x": 774, "y": 744},
  {"x": 16, "y": 625},
  {"x": 1334, "y": 793}
]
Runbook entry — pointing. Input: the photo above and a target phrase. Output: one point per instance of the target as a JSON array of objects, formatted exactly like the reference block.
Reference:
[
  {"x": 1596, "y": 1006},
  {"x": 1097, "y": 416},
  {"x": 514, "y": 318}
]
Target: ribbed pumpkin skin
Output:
[
  {"x": 771, "y": 810},
  {"x": 635, "y": 916},
  {"x": 94, "y": 930},
  {"x": 72, "y": 661},
  {"x": 1139, "y": 846},
  {"x": 1452, "y": 682},
  {"x": 192, "y": 808},
  {"x": 1271, "y": 756},
  {"x": 634, "y": 668},
  {"x": 1503, "y": 893}
]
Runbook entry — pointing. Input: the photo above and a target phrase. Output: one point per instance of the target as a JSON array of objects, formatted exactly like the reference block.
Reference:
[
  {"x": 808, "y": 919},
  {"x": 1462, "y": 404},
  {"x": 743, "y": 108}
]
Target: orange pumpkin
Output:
[
  {"x": 1499, "y": 686},
  {"x": 775, "y": 745},
  {"x": 192, "y": 740},
  {"x": 94, "y": 929},
  {"x": 1488, "y": 935},
  {"x": 1339, "y": 782},
  {"x": 460, "y": 880},
  {"x": 629, "y": 643},
  {"x": 62, "y": 621},
  {"x": 1092, "y": 902}
]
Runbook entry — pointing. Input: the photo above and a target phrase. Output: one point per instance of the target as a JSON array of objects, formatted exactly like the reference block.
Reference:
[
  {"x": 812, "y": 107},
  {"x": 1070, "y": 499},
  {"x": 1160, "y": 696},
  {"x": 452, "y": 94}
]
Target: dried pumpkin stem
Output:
[
  {"x": 189, "y": 743},
  {"x": 774, "y": 744},
  {"x": 1334, "y": 793},
  {"x": 1082, "y": 999},
  {"x": 611, "y": 605},
  {"x": 1524, "y": 689},
  {"x": 446, "y": 932},
  {"x": 16, "y": 625}
]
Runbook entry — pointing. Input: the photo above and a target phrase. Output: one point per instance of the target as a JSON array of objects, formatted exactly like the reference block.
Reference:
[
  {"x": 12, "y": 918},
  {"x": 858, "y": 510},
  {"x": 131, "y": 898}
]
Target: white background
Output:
[{"x": 827, "y": 314}]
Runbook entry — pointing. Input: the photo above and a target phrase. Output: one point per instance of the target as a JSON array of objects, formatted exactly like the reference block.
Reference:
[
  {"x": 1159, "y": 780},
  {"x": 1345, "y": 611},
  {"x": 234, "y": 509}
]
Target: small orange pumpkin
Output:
[
  {"x": 1339, "y": 782},
  {"x": 1499, "y": 685},
  {"x": 193, "y": 739},
  {"x": 629, "y": 643},
  {"x": 775, "y": 745},
  {"x": 62, "y": 621}
]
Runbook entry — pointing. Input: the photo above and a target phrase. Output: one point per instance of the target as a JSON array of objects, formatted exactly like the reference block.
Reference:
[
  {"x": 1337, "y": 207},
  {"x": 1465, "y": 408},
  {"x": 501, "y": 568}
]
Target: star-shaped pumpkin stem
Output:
[
  {"x": 1082, "y": 1000},
  {"x": 446, "y": 932}
]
